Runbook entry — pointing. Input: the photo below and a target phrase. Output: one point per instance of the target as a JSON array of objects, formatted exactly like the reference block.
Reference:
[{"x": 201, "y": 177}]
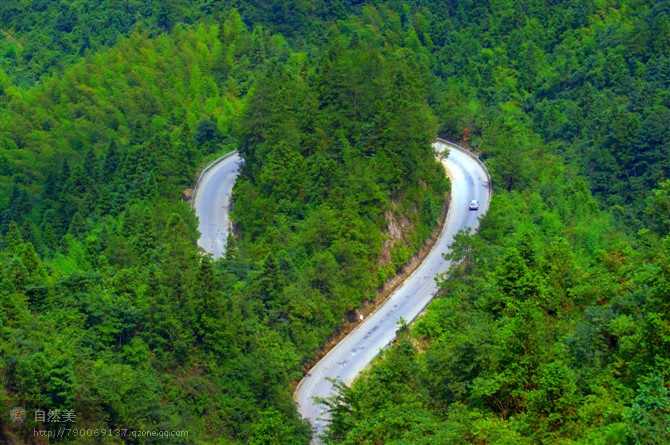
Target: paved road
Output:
[
  {"x": 212, "y": 203},
  {"x": 346, "y": 360},
  {"x": 349, "y": 357}
]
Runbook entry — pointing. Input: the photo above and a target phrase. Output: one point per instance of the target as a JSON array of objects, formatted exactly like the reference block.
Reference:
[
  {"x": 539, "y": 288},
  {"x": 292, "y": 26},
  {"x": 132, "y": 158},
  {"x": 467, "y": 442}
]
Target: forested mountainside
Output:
[
  {"x": 44, "y": 37},
  {"x": 108, "y": 308},
  {"x": 553, "y": 327}
]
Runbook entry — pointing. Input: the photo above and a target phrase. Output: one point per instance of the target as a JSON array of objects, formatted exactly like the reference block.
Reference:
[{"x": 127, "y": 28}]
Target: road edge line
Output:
[{"x": 205, "y": 170}]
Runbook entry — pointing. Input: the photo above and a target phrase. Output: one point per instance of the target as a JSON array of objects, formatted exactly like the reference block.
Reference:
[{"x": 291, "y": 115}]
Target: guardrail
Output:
[
  {"x": 205, "y": 170},
  {"x": 474, "y": 156}
]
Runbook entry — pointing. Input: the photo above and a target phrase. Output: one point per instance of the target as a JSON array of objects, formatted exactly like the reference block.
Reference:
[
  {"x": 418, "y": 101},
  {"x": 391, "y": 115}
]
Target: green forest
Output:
[
  {"x": 553, "y": 323},
  {"x": 552, "y": 326}
]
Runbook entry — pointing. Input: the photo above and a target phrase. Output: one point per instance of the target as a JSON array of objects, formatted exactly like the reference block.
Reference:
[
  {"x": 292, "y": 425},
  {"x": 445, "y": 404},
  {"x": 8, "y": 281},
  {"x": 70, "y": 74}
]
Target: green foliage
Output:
[
  {"x": 100, "y": 256},
  {"x": 554, "y": 324},
  {"x": 550, "y": 321},
  {"x": 104, "y": 299},
  {"x": 587, "y": 78},
  {"x": 318, "y": 178},
  {"x": 43, "y": 37},
  {"x": 536, "y": 337}
]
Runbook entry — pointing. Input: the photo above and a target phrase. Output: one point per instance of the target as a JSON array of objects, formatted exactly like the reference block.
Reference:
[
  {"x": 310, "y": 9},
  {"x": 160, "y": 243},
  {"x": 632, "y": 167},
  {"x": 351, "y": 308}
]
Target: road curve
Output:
[
  {"x": 348, "y": 358},
  {"x": 469, "y": 180},
  {"x": 212, "y": 204}
]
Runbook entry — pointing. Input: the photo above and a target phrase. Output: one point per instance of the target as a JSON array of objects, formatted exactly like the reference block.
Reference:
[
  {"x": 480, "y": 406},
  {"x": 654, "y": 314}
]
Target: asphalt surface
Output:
[
  {"x": 212, "y": 204},
  {"x": 349, "y": 357}
]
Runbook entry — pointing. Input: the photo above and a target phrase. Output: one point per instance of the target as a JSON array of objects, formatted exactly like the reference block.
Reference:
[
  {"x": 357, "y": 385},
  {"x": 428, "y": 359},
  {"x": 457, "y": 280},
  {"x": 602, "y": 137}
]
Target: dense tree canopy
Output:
[
  {"x": 553, "y": 323},
  {"x": 553, "y": 320},
  {"x": 99, "y": 254}
]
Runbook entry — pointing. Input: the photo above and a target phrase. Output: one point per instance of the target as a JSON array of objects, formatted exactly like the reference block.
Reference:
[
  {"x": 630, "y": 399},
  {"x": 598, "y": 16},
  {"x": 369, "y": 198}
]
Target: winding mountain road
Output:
[
  {"x": 469, "y": 180},
  {"x": 212, "y": 203}
]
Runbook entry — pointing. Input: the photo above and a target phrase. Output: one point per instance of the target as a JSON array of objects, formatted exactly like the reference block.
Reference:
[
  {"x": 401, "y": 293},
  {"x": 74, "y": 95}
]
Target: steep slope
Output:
[{"x": 469, "y": 180}]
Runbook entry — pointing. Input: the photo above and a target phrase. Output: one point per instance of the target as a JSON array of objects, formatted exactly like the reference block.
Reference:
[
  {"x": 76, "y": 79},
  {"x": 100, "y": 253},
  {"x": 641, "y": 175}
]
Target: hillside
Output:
[
  {"x": 108, "y": 307},
  {"x": 553, "y": 324}
]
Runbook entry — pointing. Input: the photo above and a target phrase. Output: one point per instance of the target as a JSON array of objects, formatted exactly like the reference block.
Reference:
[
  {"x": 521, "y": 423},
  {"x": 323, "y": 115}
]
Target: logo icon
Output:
[{"x": 17, "y": 415}]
